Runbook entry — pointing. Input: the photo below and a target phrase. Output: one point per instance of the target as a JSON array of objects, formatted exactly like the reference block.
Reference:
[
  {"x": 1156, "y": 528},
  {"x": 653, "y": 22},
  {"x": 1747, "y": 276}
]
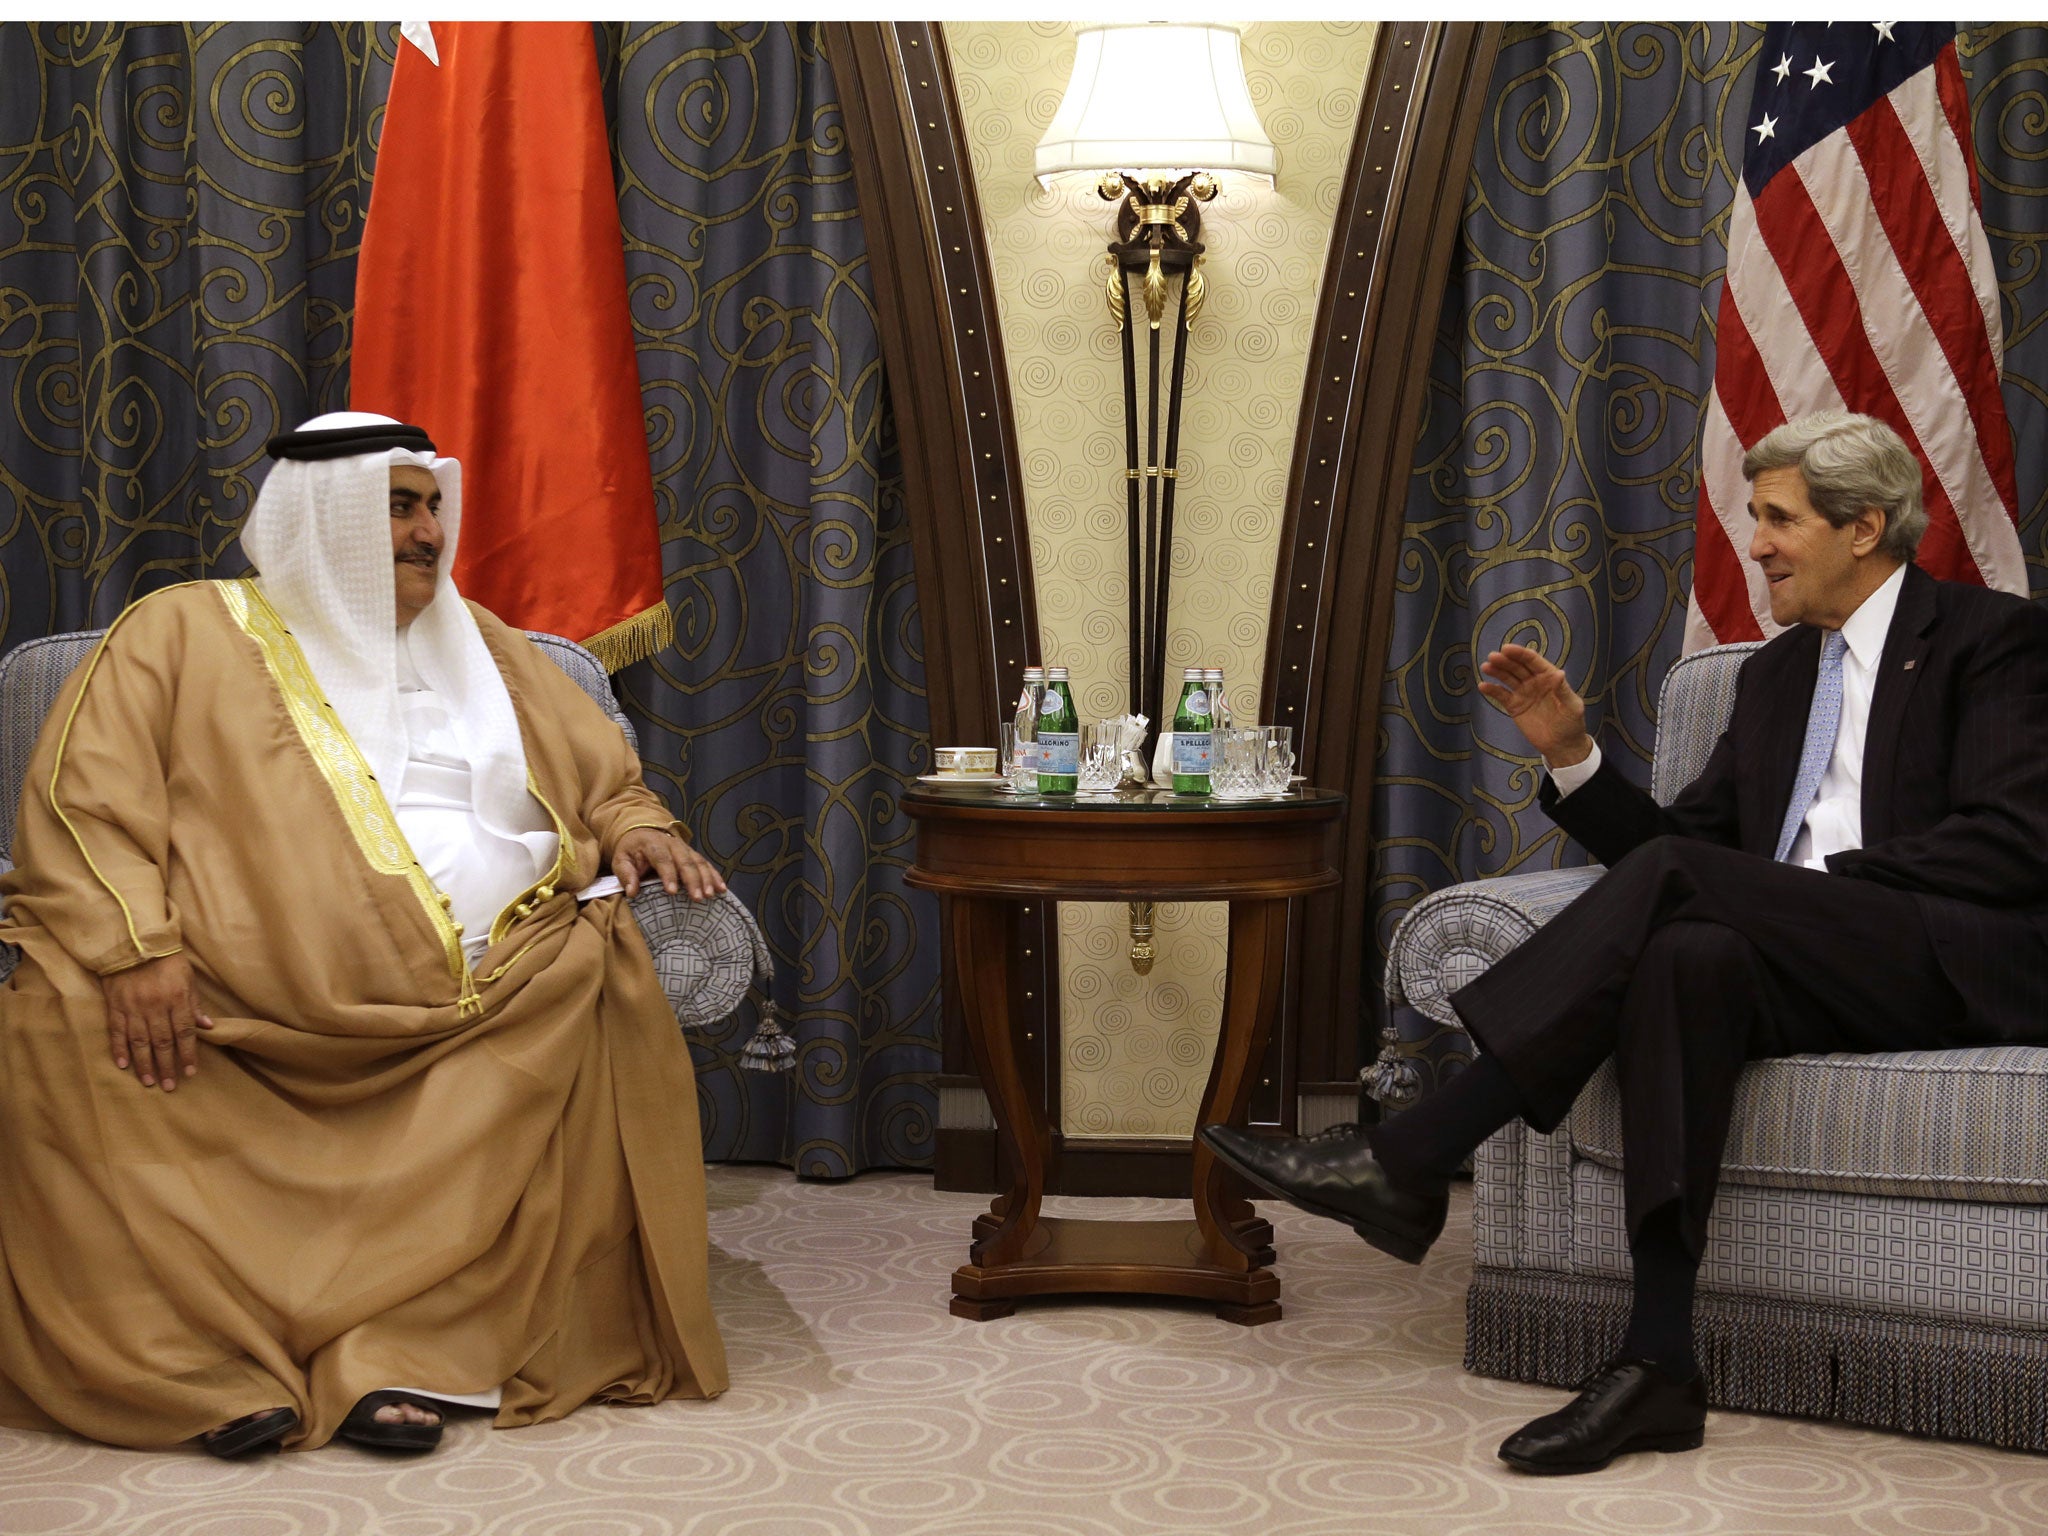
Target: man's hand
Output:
[
  {"x": 153, "y": 1020},
  {"x": 1534, "y": 694},
  {"x": 650, "y": 851}
]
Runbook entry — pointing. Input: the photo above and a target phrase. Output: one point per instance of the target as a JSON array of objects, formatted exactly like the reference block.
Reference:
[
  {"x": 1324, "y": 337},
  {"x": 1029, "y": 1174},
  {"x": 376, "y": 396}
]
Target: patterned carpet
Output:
[{"x": 861, "y": 1408}]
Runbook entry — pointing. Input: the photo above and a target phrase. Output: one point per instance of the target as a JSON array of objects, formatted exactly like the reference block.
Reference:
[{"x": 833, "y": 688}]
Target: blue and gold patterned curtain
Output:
[
  {"x": 2007, "y": 68},
  {"x": 1555, "y": 477},
  {"x": 1554, "y": 486},
  {"x": 180, "y": 212},
  {"x": 791, "y": 710}
]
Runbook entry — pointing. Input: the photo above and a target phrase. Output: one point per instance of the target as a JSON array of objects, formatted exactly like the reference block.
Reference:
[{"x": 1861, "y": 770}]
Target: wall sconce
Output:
[{"x": 1155, "y": 110}]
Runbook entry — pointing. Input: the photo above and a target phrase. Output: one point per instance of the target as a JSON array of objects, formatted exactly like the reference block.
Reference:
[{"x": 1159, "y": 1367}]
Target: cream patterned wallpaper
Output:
[{"x": 1137, "y": 1048}]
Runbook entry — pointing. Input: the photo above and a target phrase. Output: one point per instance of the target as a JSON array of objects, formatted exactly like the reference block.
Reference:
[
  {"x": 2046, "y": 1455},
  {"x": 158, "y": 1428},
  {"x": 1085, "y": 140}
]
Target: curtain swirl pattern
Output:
[
  {"x": 181, "y": 207},
  {"x": 180, "y": 210},
  {"x": 1555, "y": 475},
  {"x": 1552, "y": 498},
  {"x": 2006, "y": 65},
  {"x": 791, "y": 711}
]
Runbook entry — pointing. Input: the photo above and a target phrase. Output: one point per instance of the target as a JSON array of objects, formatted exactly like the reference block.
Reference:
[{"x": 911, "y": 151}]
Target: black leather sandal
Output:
[
  {"x": 363, "y": 1426},
  {"x": 251, "y": 1432}
]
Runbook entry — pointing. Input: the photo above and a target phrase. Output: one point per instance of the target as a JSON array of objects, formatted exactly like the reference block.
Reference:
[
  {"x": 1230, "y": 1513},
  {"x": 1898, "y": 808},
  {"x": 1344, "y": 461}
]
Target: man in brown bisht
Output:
[{"x": 335, "y": 1077}]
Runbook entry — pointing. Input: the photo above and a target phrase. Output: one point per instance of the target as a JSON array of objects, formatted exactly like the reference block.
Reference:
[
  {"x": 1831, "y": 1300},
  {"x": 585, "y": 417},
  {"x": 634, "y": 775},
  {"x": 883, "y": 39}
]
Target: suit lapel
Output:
[{"x": 1898, "y": 673}]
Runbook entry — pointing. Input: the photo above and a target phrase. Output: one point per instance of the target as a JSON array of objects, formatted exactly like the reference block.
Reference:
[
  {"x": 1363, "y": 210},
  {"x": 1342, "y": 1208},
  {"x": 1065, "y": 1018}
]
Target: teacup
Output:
[{"x": 956, "y": 762}]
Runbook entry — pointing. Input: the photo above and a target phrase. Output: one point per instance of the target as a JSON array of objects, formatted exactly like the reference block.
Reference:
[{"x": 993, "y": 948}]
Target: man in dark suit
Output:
[{"x": 1861, "y": 866}]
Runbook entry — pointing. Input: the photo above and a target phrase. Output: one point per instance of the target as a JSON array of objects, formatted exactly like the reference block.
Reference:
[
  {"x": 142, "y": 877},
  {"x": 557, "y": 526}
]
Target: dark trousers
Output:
[{"x": 1684, "y": 961}]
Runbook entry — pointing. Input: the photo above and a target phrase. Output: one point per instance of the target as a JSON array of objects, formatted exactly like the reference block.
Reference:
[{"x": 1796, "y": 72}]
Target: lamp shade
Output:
[{"x": 1156, "y": 96}]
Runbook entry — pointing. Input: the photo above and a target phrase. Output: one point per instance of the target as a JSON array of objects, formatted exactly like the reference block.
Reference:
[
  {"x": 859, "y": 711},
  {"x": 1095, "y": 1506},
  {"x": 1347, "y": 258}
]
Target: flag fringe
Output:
[{"x": 633, "y": 639}]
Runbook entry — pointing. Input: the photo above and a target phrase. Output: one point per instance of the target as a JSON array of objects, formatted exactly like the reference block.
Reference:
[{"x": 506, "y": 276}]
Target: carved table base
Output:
[
  {"x": 980, "y": 855},
  {"x": 1221, "y": 1255}
]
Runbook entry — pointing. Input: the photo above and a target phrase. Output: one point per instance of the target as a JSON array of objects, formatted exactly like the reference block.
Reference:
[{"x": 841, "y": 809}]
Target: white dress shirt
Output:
[{"x": 1834, "y": 824}]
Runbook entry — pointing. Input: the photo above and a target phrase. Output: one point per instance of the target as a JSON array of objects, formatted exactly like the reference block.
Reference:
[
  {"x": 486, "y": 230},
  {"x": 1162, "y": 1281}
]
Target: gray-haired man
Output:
[{"x": 1862, "y": 866}]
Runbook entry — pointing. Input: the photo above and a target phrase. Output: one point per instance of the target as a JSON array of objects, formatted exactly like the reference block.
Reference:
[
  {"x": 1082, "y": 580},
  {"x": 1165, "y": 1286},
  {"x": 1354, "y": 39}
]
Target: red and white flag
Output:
[
  {"x": 491, "y": 310},
  {"x": 1858, "y": 277}
]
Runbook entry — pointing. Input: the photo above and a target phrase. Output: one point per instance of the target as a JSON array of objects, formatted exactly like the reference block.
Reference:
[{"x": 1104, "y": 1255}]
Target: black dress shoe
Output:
[
  {"x": 1626, "y": 1405},
  {"x": 1334, "y": 1174}
]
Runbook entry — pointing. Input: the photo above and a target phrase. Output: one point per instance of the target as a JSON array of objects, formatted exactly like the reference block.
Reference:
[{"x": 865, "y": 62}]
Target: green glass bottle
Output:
[
  {"x": 1192, "y": 722},
  {"x": 1059, "y": 737}
]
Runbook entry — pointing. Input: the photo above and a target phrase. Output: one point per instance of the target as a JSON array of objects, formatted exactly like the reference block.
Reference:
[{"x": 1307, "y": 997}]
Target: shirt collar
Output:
[{"x": 1866, "y": 628}]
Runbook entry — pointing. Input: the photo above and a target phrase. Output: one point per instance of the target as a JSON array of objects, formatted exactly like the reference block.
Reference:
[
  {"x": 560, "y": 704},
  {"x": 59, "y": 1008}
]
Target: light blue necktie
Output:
[{"x": 1823, "y": 720}]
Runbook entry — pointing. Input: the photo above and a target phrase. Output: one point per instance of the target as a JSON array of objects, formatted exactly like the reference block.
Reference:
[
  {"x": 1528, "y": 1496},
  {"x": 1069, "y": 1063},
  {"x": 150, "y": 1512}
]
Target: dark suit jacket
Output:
[{"x": 1955, "y": 785}]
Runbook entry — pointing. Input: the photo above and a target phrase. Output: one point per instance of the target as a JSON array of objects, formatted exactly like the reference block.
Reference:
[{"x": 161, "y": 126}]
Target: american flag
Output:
[{"x": 1858, "y": 276}]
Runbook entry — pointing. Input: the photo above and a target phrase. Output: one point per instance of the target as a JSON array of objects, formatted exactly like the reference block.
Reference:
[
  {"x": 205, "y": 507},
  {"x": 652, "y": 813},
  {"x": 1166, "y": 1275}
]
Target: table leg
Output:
[
  {"x": 981, "y": 950},
  {"x": 1258, "y": 945},
  {"x": 1222, "y": 1256}
]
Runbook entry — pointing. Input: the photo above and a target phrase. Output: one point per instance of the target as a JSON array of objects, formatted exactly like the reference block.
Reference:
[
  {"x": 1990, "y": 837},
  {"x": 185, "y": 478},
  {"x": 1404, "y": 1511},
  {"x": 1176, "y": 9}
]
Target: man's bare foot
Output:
[
  {"x": 393, "y": 1421},
  {"x": 406, "y": 1411}
]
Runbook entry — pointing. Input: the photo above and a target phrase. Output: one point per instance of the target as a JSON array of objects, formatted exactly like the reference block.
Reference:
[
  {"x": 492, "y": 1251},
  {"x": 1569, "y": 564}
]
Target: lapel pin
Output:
[{"x": 1909, "y": 665}]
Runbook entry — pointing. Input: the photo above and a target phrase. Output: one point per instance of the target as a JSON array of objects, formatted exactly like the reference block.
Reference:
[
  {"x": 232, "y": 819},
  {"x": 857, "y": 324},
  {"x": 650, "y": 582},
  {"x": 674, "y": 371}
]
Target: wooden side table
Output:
[{"x": 982, "y": 850}]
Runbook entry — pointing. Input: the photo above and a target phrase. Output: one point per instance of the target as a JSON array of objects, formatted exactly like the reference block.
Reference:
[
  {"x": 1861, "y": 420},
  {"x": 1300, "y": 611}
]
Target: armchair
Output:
[
  {"x": 707, "y": 953},
  {"x": 1879, "y": 1250}
]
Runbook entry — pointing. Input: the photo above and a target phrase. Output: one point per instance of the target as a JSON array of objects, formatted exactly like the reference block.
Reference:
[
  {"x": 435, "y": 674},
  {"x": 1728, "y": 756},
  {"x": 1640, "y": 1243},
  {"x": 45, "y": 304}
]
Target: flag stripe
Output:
[
  {"x": 491, "y": 306},
  {"x": 1919, "y": 253},
  {"x": 1722, "y": 581},
  {"x": 1818, "y": 283},
  {"x": 1798, "y": 373},
  {"x": 1753, "y": 407},
  {"x": 1902, "y": 342},
  {"x": 1955, "y": 105},
  {"x": 1728, "y": 590},
  {"x": 1947, "y": 163}
]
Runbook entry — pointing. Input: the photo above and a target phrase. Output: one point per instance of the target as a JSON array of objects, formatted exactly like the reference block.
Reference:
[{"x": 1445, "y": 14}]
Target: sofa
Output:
[
  {"x": 707, "y": 954},
  {"x": 1878, "y": 1254}
]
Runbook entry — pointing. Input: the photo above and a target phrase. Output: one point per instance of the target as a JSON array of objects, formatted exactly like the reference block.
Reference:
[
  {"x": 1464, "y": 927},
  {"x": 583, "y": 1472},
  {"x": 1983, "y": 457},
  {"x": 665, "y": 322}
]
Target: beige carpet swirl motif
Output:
[{"x": 861, "y": 1408}]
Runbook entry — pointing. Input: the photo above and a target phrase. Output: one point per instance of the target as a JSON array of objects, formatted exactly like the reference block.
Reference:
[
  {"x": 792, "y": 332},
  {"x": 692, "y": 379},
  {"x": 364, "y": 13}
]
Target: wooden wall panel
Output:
[
  {"x": 1390, "y": 253},
  {"x": 949, "y": 383}
]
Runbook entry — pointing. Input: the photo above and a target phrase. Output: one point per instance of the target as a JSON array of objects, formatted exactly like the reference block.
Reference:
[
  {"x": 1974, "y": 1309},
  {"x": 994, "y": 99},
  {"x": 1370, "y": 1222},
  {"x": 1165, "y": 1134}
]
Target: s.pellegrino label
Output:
[
  {"x": 1059, "y": 737},
  {"x": 1191, "y": 736},
  {"x": 1023, "y": 765}
]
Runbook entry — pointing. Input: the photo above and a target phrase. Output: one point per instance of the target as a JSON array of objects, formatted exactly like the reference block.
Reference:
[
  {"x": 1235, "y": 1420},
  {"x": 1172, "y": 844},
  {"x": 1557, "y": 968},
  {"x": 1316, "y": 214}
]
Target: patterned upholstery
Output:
[
  {"x": 707, "y": 954},
  {"x": 1901, "y": 1123},
  {"x": 1468, "y": 927},
  {"x": 1446, "y": 940},
  {"x": 1953, "y": 1259},
  {"x": 1879, "y": 1251},
  {"x": 587, "y": 673},
  {"x": 1698, "y": 695},
  {"x": 31, "y": 676}
]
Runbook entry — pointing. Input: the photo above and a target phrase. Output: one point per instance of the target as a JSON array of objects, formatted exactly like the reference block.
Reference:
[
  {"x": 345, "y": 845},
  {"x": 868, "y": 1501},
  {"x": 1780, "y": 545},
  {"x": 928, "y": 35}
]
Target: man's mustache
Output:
[{"x": 426, "y": 557}]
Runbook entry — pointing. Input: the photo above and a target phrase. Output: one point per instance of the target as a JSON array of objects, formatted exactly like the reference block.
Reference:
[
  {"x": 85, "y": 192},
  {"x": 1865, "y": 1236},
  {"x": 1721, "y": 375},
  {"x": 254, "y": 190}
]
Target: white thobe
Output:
[{"x": 481, "y": 871}]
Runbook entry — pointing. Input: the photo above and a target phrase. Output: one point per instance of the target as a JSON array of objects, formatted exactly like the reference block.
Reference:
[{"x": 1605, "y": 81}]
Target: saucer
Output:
[{"x": 974, "y": 780}]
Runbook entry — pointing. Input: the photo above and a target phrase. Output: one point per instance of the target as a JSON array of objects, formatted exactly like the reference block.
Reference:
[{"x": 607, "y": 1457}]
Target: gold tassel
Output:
[{"x": 634, "y": 639}]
